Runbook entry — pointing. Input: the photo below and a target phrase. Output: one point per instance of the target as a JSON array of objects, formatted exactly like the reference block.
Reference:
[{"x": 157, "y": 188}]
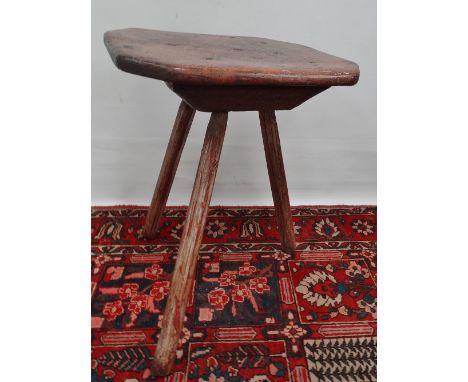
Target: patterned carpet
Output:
[{"x": 256, "y": 314}]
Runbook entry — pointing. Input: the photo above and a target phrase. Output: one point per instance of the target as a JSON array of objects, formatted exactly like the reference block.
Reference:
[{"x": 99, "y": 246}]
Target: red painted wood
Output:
[
  {"x": 201, "y": 59},
  {"x": 168, "y": 168},
  {"x": 184, "y": 271},
  {"x": 279, "y": 188},
  {"x": 244, "y": 98},
  {"x": 220, "y": 74}
]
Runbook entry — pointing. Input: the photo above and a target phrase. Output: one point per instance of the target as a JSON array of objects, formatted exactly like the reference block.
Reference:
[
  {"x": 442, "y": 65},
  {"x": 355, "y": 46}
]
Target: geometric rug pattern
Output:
[{"x": 255, "y": 313}]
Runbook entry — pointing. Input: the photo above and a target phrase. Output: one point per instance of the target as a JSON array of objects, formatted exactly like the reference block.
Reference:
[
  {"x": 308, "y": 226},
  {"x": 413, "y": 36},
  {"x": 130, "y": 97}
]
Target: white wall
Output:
[{"x": 329, "y": 143}]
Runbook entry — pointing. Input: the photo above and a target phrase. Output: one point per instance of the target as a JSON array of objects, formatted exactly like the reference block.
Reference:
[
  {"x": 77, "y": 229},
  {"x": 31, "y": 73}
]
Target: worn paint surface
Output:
[
  {"x": 202, "y": 59},
  {"x": 190, "y": 244}
]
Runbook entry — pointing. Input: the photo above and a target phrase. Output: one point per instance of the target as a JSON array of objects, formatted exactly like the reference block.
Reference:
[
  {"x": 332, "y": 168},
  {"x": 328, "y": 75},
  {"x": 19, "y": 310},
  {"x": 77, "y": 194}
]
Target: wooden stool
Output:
[{"x": 218, "y": 74}]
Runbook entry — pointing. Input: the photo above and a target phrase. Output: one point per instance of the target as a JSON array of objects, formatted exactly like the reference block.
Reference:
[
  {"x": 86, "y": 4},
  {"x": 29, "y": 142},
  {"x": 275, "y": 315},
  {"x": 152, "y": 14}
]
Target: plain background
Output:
[
  {"x": 46, "y": 181},
  {"x": 329, "y": 143}
]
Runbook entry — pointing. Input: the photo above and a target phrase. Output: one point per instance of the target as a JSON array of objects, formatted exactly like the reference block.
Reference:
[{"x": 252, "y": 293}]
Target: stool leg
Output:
[
  {"x": 279, "y": 188},
  {"x": 184, "y": 271},
  {"x": 168, "y": 168}
]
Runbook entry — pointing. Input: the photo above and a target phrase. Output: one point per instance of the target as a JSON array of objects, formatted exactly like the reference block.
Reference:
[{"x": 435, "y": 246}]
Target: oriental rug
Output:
[{"x": 256, "y": 314}]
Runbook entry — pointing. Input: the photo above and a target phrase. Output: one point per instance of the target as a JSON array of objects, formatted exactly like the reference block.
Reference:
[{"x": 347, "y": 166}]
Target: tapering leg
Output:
[
  {"x": 279, "y": 188},
  {"x": 184, "y": 271},
  {"x": 168, "y": 168}
]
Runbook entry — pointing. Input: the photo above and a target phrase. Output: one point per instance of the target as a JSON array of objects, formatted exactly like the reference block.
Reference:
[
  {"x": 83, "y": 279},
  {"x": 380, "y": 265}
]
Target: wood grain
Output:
[
  {"x": 168, "y": 168},
  {"x": 201, "y": 59},
  {"x": 184, "y": 271},
  {"x": 279, "y": 188}
]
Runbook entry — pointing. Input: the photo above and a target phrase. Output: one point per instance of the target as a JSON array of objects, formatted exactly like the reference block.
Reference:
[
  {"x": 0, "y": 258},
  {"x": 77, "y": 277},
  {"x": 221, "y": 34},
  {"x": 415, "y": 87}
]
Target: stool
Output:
[{"x": 218, "y": 74}]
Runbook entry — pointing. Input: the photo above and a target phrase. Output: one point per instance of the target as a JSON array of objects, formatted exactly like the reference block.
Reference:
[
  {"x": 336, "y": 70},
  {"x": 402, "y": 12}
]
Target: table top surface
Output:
[{"x": 202, "y": 59}]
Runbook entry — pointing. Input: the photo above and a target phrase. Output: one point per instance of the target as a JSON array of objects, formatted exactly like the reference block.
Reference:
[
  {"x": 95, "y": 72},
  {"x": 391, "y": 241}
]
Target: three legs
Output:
[{"x": 184, "y": 272}]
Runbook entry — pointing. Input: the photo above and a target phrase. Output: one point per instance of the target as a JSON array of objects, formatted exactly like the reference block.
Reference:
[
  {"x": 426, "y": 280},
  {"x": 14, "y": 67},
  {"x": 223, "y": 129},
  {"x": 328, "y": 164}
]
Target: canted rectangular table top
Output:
[{"x": 200, "y": 59}]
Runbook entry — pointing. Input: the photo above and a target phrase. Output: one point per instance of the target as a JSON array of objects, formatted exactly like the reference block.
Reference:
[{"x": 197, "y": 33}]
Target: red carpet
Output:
[{"x": 256, "y": 313}]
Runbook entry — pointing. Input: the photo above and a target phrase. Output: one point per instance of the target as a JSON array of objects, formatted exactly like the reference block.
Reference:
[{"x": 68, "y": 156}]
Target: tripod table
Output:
[{"x": 219, "y": 74}]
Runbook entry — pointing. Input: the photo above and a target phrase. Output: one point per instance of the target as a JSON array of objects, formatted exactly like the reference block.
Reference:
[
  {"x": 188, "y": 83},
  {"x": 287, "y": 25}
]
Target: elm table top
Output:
[{"x": 201, "y": 59}]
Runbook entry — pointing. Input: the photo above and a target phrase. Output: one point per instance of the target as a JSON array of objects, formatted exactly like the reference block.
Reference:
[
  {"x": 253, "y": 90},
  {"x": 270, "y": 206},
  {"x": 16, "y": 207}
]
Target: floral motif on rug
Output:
[
  {"x": 237, "y": 293},
  {"x": 255, "y": 313}
]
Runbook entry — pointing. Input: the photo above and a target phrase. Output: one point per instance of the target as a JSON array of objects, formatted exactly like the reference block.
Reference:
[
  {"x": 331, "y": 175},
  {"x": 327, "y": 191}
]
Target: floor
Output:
[{"x": 256, "y": 313}]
